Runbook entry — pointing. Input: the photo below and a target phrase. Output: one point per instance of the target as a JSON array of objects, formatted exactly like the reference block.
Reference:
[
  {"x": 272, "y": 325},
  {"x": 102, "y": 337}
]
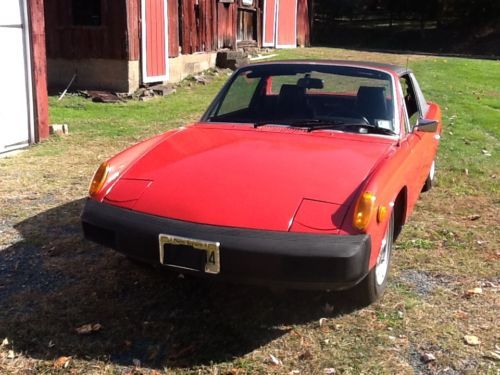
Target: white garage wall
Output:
[{"x": 16, "y": 97}]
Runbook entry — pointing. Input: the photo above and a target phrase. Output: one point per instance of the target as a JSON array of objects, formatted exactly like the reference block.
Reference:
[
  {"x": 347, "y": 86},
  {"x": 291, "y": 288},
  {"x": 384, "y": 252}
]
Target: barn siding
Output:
[
  {"x": 173, "y": 28},
  {"x": 227, "y": 18},
  {"x": 303, "y": 25},
  {"x": 39, "y": 66},
  {"x": 198, "y": 22},
  {"x": 108, "y": 41},
  {"x": 133, "y": 29}
]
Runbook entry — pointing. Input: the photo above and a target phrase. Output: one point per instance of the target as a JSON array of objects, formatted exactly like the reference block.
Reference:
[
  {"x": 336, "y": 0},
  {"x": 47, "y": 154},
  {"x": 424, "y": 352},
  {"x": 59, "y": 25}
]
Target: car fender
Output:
[{"x": 123, "y": 161}]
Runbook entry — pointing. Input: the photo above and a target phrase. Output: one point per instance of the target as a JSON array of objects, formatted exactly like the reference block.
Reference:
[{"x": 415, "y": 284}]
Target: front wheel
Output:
[{"x": 373, "y": 285}]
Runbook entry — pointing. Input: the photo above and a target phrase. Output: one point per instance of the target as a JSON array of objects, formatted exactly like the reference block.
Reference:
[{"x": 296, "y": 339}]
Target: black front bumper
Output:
[{"x": 294, "y": 260}]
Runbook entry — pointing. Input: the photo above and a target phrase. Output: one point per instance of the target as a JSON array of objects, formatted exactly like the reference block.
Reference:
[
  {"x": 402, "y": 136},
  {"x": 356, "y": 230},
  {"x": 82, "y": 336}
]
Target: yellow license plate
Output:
[{"x": 190, "y": 254}]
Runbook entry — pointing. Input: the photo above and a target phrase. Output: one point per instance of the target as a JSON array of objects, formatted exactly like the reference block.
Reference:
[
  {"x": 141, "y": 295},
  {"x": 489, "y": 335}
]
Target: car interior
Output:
[{"x": 306, "y": 98}]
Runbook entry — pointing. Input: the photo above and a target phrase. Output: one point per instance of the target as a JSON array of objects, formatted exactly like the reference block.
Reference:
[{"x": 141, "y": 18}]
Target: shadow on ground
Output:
[{"x": 54, "y": 281}]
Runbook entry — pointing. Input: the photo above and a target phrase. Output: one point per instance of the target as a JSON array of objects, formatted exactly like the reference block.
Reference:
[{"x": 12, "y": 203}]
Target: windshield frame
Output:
[{"x": 218, "y": 100}]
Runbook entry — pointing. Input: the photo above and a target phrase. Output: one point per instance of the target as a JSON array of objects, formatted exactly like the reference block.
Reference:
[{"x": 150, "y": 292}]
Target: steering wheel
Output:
[{"x": 349, "y": 114}]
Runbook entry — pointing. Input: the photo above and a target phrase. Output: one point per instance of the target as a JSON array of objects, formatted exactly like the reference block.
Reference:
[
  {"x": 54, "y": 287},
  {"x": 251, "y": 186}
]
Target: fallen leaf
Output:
[
  {"x": 474, "y": 291},
  {"x": 322, "y": 322},
  {"x": 428, "y": 357},
  {"x": 471, "y": 340},
  {"x": 62, "y": 362},
  {"x": 5, "y": 342},
  {"x": 474, "y": 217},
  {"x": 329, "y": 371},
  {"x": 274, "y": 361},
  {"x": 11, "y": 354},
  {"x": 88, "y": 328}
]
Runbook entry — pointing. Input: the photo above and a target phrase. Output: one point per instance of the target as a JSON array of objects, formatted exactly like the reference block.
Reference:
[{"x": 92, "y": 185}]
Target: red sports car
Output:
[{"x": 300, "y": 174}]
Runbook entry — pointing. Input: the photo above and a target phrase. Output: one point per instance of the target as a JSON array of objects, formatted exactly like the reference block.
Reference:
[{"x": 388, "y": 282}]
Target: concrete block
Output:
[{"x": 59, "y": 129}]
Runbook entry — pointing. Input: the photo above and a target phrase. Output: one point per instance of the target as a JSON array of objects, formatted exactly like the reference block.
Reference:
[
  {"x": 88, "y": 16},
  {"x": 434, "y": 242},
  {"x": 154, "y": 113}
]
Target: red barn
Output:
[{"x": 121, "y": 44}]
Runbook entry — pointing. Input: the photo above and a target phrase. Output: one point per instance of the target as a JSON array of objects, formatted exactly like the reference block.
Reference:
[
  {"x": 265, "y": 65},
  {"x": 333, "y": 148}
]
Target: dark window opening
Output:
[
  {"x": 86, "y": 12},
  {"x": 410, "y": 100}
]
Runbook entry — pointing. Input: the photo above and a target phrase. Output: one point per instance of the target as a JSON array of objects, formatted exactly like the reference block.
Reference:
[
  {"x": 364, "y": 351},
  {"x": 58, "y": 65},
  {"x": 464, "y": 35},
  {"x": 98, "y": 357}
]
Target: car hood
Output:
[{"x": 249, "y": 178}]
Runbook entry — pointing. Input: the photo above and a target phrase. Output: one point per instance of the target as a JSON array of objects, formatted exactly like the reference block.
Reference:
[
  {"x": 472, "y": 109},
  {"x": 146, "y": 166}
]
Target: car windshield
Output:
[{"x": 314, "y": 96}]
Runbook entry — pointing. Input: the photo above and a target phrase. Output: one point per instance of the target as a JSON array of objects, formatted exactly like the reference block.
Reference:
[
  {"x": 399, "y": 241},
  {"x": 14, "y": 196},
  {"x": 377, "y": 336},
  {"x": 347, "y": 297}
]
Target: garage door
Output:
[
  {"x": 280, "y": 23},
  {"x": 15, "y": 77}
]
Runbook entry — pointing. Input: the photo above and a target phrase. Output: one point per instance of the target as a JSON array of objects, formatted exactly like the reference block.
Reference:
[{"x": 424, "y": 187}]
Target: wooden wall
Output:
[
  {"x": 133, "y": 47},
  {"x": 303, "y": 23},
  {"x": 108, "y": 41},
  {"x": 39, "y": 66},
  {"x": 173, "y": 28},
  {"x": 194, "y": 26},
  {"x": 198, "y": 20},
  {"x": 227, "y": 18}
]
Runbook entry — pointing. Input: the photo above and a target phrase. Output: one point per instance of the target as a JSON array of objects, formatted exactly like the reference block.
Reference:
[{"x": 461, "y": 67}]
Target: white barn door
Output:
[{"x": 15, "y": 77}]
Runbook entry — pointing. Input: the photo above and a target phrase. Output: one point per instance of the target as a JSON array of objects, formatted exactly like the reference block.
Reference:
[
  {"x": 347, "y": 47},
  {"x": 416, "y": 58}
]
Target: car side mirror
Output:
[{"x": 426, "y": 125}]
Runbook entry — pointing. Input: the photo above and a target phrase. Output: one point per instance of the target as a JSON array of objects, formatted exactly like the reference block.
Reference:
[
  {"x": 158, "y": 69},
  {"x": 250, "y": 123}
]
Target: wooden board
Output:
[
  {"x": 154, "y": 40},
  {"x": 286, "y": 29}
]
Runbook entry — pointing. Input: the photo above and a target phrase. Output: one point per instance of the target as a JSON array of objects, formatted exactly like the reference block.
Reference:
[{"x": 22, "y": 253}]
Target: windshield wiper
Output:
[
  {"x": 313, "y": 124},
  {"x": 343, "y": 126}
]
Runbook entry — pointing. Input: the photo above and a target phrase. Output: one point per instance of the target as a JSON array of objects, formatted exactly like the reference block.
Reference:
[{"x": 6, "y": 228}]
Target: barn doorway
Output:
[
  {"x": 247, "y": 24},
  {"x": 16, "y": 98}
]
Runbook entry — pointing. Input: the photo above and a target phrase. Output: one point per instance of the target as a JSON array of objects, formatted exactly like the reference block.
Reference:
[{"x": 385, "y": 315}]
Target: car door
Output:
[
  {"x": 414, "y": 141},
  {"x": 430, "y": 141}
]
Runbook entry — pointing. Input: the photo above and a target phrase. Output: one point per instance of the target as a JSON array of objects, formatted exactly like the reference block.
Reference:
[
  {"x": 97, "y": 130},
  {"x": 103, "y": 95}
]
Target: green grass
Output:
[
  {"x": 133, "y": 118},
  {"x": 204, "y": 328},
  {"x": 469, "y": 92}
]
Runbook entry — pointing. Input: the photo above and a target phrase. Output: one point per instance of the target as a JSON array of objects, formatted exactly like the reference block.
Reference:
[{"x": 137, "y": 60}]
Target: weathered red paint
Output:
[
  {"x": 227, "y": 16},
  {"x": 303, "y": 24},
  {"x": 173, "y": 28},
  {"x": 269, "y": 24},
  {"x": 108, "y": 41},
  {"x": 39, "y": 66},
  {"x": 286, "y": 30},
  {"x": 133, "y": 29},
  {"x": 155, "y": 38}
]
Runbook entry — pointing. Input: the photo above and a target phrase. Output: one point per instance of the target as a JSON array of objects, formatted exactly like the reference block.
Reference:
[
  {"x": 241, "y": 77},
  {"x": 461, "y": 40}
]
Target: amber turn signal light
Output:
[
  {"x": 99, "y": 179},
  {"x": 363, "y": 210},
  {"x": 382, "y": 214}
]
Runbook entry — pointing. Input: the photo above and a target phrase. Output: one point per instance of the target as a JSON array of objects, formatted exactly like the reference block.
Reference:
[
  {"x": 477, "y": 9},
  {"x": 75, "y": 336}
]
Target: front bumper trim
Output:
[{"x": 273, "y": 258}]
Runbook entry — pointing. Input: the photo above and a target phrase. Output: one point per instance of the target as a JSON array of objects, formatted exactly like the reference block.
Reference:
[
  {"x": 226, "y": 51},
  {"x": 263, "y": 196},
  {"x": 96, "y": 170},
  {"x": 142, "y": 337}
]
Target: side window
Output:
[
  {"x": 239, "y": 96},
  {"x": 410, "y": 98}
]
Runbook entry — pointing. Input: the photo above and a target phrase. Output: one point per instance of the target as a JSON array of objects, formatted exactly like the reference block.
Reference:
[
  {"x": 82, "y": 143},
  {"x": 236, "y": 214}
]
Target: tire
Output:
[
  {"x": 373, "y": 285},
  {"x": 429, "y": 182}
]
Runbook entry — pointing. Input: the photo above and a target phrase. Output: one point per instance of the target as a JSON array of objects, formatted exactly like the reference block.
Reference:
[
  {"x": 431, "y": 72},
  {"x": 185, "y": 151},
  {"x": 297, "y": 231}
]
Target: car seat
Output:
[
  {"x": 292, "y": 102},
  {"x": 371, "y": 103}
]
